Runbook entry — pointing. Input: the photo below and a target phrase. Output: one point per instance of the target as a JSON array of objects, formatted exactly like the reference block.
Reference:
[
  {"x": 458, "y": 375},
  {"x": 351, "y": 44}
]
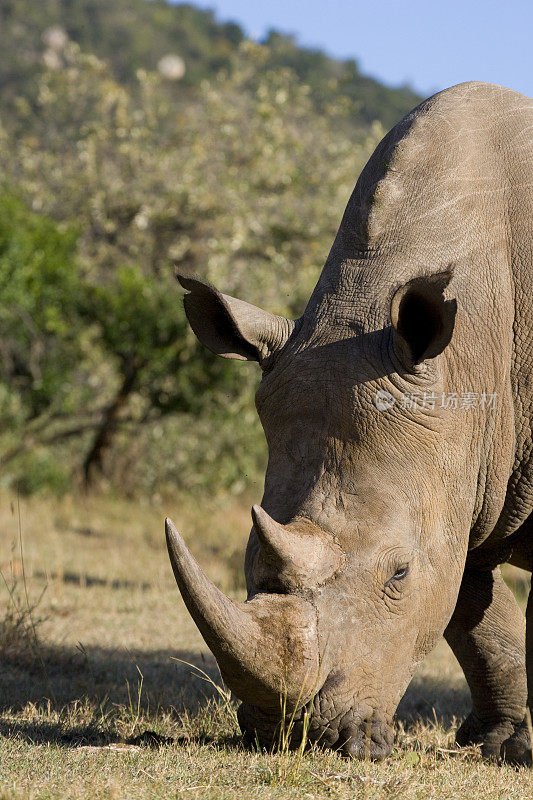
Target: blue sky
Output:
[{"x": 429, "y": 44}]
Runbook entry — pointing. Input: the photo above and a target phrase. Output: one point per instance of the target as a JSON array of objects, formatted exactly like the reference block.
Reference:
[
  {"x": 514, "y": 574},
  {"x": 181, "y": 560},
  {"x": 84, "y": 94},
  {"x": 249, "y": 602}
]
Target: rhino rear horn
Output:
[{"x": 301, "y": 551}]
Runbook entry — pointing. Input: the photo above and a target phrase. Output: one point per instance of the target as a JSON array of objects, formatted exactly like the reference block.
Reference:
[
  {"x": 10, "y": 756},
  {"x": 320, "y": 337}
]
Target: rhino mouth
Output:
[{"x": 354, "y": 733}]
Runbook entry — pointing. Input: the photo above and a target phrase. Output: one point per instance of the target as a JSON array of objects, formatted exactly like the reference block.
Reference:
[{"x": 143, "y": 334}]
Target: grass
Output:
[{"x": 108, "y": 691}]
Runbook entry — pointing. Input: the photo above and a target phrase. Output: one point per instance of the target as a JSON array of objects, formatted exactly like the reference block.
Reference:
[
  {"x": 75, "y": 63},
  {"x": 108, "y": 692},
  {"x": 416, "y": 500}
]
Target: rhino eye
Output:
[{"x": 398, "y": 575}]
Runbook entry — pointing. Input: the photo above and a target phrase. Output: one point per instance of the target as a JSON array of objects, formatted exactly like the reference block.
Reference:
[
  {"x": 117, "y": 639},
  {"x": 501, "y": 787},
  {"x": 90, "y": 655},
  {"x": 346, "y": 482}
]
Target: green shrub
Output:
[{"x": 39, "y": 472}]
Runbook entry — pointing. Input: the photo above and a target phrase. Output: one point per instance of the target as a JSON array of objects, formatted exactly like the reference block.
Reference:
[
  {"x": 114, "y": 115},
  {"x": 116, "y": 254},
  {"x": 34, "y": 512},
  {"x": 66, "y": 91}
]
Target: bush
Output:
[{"x": 40, "y": 472}]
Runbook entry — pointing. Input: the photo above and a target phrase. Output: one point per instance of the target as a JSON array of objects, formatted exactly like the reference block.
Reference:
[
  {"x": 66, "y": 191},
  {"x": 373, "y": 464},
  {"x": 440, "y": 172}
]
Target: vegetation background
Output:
[{"x": 136, "y": 137}]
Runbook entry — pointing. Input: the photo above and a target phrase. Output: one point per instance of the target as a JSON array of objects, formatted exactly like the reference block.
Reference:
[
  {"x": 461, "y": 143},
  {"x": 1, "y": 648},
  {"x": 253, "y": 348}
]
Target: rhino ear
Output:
[
  {"x": 422, "y": 318},
  {"x": 232, "y": 328}
]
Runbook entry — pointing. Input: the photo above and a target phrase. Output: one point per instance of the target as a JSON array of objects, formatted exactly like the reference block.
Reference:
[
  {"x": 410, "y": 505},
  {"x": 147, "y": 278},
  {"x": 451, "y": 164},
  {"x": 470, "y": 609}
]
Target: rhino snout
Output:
[
  {"x": 357, "y": 733},
  {"x": 366, "y": 738}
]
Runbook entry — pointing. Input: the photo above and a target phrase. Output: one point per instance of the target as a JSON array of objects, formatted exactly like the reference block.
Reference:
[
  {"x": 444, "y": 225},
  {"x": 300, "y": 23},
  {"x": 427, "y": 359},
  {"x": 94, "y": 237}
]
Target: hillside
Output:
[
  {"x": 112, "y": 174},
  {"x": 136, "y": 34}
]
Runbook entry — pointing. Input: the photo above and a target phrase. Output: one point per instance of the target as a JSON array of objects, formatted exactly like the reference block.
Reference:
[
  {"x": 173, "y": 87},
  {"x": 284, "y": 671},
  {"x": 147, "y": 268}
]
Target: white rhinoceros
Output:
[{"x": 398, "y": 415}]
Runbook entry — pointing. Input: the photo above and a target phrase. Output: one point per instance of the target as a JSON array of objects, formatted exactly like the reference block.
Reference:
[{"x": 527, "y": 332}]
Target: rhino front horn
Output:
[{"x": 265, "y": 646}]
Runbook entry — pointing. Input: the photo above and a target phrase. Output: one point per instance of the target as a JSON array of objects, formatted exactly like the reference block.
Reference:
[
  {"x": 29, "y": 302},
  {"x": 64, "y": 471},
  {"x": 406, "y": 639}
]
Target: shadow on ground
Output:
[
  {"x": 67, "y": 676},
  {"x": 37, "y": 732},
  {"x": 88, "y": 581},
  {"x": 41, "y": 732},
  {"x": 431, "y": 699},
  {"x": 58, "y": 678}
]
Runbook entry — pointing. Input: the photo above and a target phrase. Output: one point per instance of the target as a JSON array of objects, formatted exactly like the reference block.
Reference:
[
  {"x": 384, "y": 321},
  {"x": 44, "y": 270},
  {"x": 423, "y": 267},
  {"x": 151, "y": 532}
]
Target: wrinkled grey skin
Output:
[{"x": 400, "y": 517}]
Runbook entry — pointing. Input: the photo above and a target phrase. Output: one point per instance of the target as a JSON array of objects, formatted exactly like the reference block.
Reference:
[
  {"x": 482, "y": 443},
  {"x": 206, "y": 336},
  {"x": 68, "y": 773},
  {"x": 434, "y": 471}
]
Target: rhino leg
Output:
[
  {"x": 518, "y": 749},
  {"x": 486, "y": 634}
]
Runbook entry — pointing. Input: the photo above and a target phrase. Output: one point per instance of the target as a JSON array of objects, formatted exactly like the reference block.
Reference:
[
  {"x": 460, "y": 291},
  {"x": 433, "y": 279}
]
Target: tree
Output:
[
  {"x": 143, "y": 329},
  {"x": 39, "y": 287},
  {"x": 242, "y": 184}
]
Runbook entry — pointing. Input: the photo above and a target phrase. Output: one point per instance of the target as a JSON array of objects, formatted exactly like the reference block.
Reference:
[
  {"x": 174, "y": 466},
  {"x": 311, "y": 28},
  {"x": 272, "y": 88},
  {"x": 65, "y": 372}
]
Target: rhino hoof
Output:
[
  {"x": 489, "y": 736},
  {"x": 517, "y": 749}
]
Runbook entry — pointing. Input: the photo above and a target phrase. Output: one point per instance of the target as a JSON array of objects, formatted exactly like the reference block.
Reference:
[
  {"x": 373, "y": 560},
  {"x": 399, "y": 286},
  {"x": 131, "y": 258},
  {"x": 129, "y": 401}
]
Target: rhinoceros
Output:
[{"x": 397, "y": 411}]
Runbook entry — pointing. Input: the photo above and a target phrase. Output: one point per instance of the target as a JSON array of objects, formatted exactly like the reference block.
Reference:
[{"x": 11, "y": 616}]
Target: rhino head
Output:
[
  {"x": 352, "y": 569},
  {"x": 356, "y": 553}
]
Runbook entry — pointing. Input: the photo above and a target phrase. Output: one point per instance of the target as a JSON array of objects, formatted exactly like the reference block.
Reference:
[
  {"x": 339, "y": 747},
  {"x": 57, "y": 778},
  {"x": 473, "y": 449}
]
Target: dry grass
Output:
[{"x": 89, "y": 665}]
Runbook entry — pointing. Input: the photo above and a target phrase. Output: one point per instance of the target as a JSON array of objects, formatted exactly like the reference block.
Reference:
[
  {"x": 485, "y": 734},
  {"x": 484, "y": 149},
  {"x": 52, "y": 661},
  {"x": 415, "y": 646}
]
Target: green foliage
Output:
[
  {"x": 39, "y": 472},
  {"x": 339, "y": 86},
  {"x": 136, "y": 34},
  {"x": 142, "y": 325},
  {"x": 39, "y": 285},
  {"x": 116, "y": 175},
  {"x": 136, "y": 316}
]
